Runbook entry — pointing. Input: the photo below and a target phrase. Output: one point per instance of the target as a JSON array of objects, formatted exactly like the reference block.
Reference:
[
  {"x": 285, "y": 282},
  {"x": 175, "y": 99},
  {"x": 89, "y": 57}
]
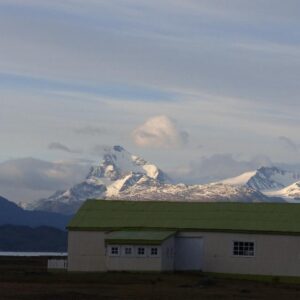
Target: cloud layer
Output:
[
  {"x": 90, "y": 130},
  {"x": 226, "y": 70},
  {"x": 217, "y": 167},
  {"x": 159, "y": 132},
  {"x": 22, "y": 179}
]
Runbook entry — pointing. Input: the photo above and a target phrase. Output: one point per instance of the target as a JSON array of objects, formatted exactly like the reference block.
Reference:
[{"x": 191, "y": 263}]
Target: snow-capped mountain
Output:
[
  {"x": 67, "y": 202},
  {"x": 214, "y": 192},
  {"x": 121, "y": 175},
  {"x": 265, "y": 178},
  {"x": 116, "y": 172},
  {"x": 117, "y": 163},
  {"x": 290, "y": 193}
]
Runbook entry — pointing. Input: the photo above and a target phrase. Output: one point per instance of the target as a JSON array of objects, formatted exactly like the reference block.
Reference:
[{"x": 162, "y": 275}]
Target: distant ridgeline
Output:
[
  {"x": 10, "y": 213},
  {"x": 40, "y": 239},
  {"x": 22, "y": 230}
]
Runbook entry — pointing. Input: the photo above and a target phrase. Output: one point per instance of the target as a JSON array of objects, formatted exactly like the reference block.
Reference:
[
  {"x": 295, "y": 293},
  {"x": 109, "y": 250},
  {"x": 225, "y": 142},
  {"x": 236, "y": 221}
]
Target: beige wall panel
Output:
[
  {"x": 274, "y": 255},
  {"x": 86, "y": 251},
  {"x": 117, "y": 263}
]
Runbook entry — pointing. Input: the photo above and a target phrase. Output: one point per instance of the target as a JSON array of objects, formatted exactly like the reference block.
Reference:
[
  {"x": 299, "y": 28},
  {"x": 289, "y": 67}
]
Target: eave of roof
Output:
[{"x": 138, "y": 237}]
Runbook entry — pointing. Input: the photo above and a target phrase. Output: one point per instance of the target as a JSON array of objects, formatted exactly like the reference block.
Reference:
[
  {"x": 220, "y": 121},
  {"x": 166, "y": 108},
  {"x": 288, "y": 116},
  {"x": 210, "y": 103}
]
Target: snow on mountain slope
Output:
[
  {"x": 214, "y": 192},
  {"x": 117, "y": 171},
  {"x": 240, "y": 180},
  {"x": 117, "y": 162},
  {"x": 120, "y": 185},
  {"x": 265, "y": 178},
  {"x": 290, "y": 193},
  {"x": 67, "y": 202}
]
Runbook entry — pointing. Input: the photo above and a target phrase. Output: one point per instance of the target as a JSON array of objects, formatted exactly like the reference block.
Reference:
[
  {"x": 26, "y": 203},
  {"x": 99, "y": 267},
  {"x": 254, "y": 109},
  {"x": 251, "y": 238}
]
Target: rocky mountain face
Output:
[
  {"x": 117, "y": 163},
  {"x": 121, "y": 175},
  {"x": 273, "y": 182},
  {"x": 118, "y": 171},
  {"x": 68, "y": 202}
]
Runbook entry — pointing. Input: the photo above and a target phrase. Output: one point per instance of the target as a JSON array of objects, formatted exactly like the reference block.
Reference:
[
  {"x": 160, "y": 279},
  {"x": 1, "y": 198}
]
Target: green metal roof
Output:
[
  {"x": 154, "y": 215},
  {"x": 138, "y": 237}
]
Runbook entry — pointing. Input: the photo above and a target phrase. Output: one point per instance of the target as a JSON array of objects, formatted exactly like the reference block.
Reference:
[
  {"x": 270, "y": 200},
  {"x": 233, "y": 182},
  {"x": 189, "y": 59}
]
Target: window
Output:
[
  {"x": 114, "y": 251},
  {"x": 154, "y": 251},
  {"x": 243, "y": 248},
  {"x": 127, "y": 250},
  {"x": 141, "y": 251}
]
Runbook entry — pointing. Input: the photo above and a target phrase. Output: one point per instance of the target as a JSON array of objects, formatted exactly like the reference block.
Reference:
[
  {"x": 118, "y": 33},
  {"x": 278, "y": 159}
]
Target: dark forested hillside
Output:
[
  {"x": 10, "y": 213},
  {"x": 40, "y": 239}
]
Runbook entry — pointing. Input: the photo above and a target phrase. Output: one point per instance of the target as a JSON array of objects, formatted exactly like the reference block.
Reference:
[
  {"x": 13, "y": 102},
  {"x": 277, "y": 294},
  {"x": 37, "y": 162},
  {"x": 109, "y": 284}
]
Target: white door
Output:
[{"x": 188, "y": 253}]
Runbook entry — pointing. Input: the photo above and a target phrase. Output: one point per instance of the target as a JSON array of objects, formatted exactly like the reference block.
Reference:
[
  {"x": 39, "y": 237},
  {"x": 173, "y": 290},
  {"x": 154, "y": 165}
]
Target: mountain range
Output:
[
  {"x": 23, "y": 230},
  {"x": 27, "y": 239},
  {"x": 121, "y": 175},
  {"x": 10, "y": 213}
]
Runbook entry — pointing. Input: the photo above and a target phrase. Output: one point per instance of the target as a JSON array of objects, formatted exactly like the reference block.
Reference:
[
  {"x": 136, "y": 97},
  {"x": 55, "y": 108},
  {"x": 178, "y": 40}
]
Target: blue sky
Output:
[{"x": 85, "y": 74}]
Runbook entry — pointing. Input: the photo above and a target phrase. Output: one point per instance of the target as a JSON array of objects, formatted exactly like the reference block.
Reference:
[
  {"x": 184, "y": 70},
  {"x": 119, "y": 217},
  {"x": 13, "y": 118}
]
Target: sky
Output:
[{"x": 184, "y": 84}]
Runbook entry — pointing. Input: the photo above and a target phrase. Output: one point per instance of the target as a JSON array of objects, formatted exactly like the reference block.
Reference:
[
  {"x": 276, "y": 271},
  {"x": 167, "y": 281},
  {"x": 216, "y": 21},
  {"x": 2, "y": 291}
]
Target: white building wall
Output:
[
  {"x": 164, "y": 261},
  {"x": 134, "y": 262},
  {"x": 86, "y": 251},
  {"x": 274, "y": 254}
]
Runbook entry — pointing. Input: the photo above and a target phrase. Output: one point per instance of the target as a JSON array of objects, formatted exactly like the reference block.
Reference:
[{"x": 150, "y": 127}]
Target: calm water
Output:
[{"x": 3, "y": 253}]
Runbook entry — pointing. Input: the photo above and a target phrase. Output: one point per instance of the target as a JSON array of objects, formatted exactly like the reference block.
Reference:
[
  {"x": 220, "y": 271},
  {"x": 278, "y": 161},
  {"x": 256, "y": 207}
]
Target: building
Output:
[{"x": 241, "y": 238}]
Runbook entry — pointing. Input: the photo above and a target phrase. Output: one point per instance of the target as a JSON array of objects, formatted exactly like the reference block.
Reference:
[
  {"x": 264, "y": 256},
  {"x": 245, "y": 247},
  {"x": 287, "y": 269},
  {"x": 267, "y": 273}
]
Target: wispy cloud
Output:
[
  {"x": 217, "y": 167},
  {"x": 185, "y": 57},
  {"x": 106, "y": 64},
  {"x": 289, "y": 143},
  {"x": 61, "y": 147},
  {"x": 98, "y": 150}
]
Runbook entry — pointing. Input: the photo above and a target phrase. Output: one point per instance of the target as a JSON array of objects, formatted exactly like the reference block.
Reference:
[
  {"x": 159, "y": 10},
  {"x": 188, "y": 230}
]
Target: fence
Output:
[{"x": 54, "y": 263}]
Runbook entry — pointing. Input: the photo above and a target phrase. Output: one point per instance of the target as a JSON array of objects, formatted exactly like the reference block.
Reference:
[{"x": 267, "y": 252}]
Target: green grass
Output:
[
  {"x": 258, "y": 278},
  {"x": 147, "y": 286}
]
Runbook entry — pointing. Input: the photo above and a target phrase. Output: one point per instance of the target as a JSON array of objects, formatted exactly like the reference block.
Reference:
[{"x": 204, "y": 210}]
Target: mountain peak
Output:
[
  {"x": 117, "y": 171},
  {"x": 265, "y": 178},
  {"x": 117, "y": 162},
  {"x": 290, "y": 193}
]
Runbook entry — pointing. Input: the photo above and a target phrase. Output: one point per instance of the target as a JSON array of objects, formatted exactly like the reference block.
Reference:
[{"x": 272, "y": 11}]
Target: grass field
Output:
[
  {"x": 27, "y": 279},
  {"x": 67, "y": 286}
]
